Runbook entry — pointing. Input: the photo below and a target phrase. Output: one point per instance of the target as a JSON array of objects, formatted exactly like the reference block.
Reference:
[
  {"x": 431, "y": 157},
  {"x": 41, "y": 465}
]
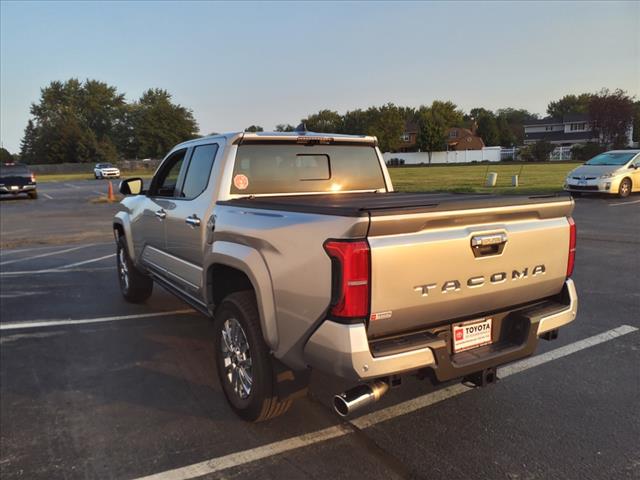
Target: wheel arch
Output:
[
  {"x": 122, "y": 228},
  {"x": 232, "y": 267}
]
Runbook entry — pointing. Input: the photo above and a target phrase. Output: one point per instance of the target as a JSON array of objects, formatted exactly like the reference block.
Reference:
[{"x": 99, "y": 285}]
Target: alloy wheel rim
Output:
[
  {"x": 625, "y": 187},
  {"x": 123, "y": 269},
  {"x": 236, "y": 358}
]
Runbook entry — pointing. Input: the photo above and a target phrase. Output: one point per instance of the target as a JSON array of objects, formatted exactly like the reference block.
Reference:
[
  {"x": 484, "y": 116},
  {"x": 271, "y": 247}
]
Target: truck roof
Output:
[{"x": 293, "y": 137}]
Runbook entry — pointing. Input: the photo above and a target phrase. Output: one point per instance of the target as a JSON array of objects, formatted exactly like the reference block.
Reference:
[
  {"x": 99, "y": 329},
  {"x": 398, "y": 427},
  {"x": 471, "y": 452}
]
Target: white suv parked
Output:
[{"x": 106, "y": 170}]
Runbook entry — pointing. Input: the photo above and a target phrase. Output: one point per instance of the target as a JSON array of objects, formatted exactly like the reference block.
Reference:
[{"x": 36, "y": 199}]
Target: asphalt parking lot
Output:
[{"x": 93, "y": 387}]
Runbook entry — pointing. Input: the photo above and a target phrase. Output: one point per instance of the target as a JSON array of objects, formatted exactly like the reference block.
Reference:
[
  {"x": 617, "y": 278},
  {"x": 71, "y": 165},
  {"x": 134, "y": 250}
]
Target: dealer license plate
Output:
[{"x": 472, "y": 334}]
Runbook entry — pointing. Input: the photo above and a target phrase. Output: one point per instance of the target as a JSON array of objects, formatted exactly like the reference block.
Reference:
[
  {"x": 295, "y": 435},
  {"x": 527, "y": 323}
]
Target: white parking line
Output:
[
  {"x": 46, "y": 195},
  {"x": 55, "y": 270},
  {"x": 92, "y": 260},
  {"x": 43, "y": 247},
  {"x": 48, "y": 254},
  {"x": 21, "y": 250},
  {"x": 63, "y": 268},
  {"x": 100, "y": 193},
  {"x": 247, "y": 456},
  {"x": 69, "y": 321},
  {"x": 72, "y": 185},
  {"x": 623, "y": 203}
]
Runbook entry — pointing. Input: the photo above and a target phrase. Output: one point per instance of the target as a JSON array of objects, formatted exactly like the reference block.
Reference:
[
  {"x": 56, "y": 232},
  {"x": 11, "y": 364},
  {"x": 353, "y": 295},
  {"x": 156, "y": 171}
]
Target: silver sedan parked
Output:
[{"x": 616, "y": 172}]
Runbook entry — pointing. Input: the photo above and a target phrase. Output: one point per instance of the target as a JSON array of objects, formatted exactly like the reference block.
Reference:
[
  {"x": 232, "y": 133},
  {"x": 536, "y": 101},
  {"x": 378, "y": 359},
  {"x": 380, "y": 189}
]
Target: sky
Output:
[{"x": 238, "y": 64}]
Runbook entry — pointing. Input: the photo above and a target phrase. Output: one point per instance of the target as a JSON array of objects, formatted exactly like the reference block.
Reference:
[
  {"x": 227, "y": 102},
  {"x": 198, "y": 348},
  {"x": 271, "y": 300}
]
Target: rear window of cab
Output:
[{"x": 274, "y": 169}]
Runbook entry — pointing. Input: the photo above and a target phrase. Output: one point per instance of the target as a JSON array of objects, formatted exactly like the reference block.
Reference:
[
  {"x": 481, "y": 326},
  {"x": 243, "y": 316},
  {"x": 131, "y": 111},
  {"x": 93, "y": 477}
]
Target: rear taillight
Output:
[
  {"x": 33, "y": 177},
  {"x": 350, "y": 278},
  {"x": 572, "y": 246}
]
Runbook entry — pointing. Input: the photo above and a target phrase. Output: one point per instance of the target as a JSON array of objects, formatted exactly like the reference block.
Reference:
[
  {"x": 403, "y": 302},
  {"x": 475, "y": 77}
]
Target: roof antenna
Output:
[{"x": 301, "y": 128}]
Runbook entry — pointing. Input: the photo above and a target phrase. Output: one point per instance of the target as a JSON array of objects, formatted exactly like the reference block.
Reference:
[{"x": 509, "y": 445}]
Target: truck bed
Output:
[
  {"x": 424, "y": 269},
  {"x": 391, "y": 203}
]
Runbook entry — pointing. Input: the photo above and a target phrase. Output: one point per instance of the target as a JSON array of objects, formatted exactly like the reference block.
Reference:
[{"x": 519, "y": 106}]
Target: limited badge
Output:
[
  {"x": 381, "y": 315},
  {"x": 241, "y": 182}
]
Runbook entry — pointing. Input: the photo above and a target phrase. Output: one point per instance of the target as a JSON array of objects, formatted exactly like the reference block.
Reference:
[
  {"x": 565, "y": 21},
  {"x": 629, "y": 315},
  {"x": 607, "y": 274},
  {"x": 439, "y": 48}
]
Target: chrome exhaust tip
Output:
[{"x": 360, "y": 396}]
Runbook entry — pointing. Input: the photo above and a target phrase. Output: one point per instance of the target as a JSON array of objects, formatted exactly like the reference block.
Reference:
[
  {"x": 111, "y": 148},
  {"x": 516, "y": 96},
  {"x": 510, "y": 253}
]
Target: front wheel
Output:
[
  {"x": 135, "y": 286},
  {"x": 625, "y": 188},
  {"x": 245, "y": 366},
  {"x": 33, "y": 195}
]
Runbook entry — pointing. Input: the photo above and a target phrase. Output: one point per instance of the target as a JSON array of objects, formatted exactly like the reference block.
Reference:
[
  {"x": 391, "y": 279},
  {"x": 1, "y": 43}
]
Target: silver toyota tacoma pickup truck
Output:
[{"x": 304, "y": 256}]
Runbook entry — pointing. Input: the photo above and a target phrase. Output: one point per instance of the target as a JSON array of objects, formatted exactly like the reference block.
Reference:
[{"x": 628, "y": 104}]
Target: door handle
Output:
[
  {"x": 193, "y": 220},
  {"x": 161, "y": 214}
]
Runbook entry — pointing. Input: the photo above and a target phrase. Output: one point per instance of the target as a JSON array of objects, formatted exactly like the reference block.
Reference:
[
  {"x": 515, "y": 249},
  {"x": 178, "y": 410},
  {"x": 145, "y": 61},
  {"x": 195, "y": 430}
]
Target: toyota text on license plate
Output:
[{"x": 472, "y": 334}]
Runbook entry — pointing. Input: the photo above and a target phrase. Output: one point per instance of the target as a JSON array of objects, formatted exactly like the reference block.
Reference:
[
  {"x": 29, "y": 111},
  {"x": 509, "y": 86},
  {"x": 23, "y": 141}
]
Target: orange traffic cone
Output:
[{"x": 110, "y": 195}]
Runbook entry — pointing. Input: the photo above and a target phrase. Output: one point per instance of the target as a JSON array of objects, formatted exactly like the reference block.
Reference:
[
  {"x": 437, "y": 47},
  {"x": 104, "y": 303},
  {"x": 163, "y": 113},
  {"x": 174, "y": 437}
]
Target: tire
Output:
[
  {"x": 33, "y": 195},
  {"x": 624, "y": 190},
  {"x": 135, "y": 286},
  {"x": 237, "y": 325}
]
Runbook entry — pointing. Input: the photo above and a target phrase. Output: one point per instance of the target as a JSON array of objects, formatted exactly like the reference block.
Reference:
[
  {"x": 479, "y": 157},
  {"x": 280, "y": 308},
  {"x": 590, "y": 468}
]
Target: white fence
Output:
[
  {"x": 487, "y": 154},
  {"x": 490, "y": 154},
  {"x": 560, "y": 153}
]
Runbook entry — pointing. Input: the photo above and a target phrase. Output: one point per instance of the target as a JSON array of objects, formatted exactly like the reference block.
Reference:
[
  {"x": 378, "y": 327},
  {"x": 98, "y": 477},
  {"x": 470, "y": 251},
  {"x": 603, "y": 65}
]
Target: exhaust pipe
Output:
[{"x": 358, "y": 397}]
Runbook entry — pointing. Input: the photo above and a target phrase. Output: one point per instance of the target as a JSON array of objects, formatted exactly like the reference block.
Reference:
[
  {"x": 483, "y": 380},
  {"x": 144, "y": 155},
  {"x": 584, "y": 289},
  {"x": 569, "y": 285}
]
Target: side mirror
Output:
[
  {"x": 634, "y": 166},
  {"x": 131, "y": 186}
]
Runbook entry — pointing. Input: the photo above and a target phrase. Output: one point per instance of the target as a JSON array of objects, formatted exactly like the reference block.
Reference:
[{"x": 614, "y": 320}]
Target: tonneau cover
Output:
[{"x": 388, "y": 203}]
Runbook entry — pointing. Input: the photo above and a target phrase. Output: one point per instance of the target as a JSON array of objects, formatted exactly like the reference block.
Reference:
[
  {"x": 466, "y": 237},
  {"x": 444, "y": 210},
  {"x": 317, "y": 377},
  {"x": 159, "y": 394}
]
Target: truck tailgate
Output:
[{"x": 425, "y": 269}]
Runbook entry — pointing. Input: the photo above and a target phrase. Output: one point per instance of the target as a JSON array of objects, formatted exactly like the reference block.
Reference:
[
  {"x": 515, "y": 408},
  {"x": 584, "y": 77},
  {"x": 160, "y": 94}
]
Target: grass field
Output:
[
  {"x": 533, "y": 178},
  {"x": 66, "y": 177}
]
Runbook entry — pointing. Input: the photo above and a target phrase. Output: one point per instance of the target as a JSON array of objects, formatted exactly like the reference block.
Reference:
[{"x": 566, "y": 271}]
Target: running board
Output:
[{"x": 182, "y": 295}]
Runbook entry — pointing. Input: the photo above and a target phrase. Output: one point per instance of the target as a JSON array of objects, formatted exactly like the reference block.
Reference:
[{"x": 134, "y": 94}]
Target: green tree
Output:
[
  {"x": 488, "y": 129},
  {"x": 254, "y": 128},
  {"x": 158, "y": 124},
  {"x": 387, "y": 124},
  {"x": 537, "y": 152},
  {"x": 285, "y": 127},
  {"x": 476, "y": 113},
  {"x": 584, "y": 152},
  {"x": 356, "y": 122},
  {"x": 515, "y": 119},
  {"x": 569, "y": 104},
  {"x": 434, "y": 122},
  {"x": 612, "y": 115},
  {"x": 73, "y": 122},
  {"x": 5, "y": 156},
  {"x": 325, "y": 121},
  {"x": 28, "y": 152},
  {"x": 101, "y": 107},
  {"x": 507, "y": 137}
]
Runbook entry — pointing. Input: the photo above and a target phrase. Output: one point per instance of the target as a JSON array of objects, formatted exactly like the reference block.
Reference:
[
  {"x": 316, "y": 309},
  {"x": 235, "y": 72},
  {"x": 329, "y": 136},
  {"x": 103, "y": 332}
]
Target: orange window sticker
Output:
[{"x": 241, "y": 182}]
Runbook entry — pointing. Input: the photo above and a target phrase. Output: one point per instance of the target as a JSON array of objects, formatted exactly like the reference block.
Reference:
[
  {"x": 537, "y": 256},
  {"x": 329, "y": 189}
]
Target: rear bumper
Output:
[
  {"x": 20, "y": 189},
  {"x": 345, "y": 350}
]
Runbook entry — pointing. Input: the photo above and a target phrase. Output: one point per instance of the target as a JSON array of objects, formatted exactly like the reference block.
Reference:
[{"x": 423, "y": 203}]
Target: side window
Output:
[
  {"x": 165, "y": 183},
  {"x": 199, "y": 170}
]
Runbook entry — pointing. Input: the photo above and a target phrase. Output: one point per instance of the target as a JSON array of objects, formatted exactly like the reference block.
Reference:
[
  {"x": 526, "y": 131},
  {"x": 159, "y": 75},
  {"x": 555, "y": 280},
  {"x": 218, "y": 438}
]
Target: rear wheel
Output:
[
  {"x": 135, "y": 286},
  {"x": 245, "y": 366},
  {"x": 625, "y": 188}
]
